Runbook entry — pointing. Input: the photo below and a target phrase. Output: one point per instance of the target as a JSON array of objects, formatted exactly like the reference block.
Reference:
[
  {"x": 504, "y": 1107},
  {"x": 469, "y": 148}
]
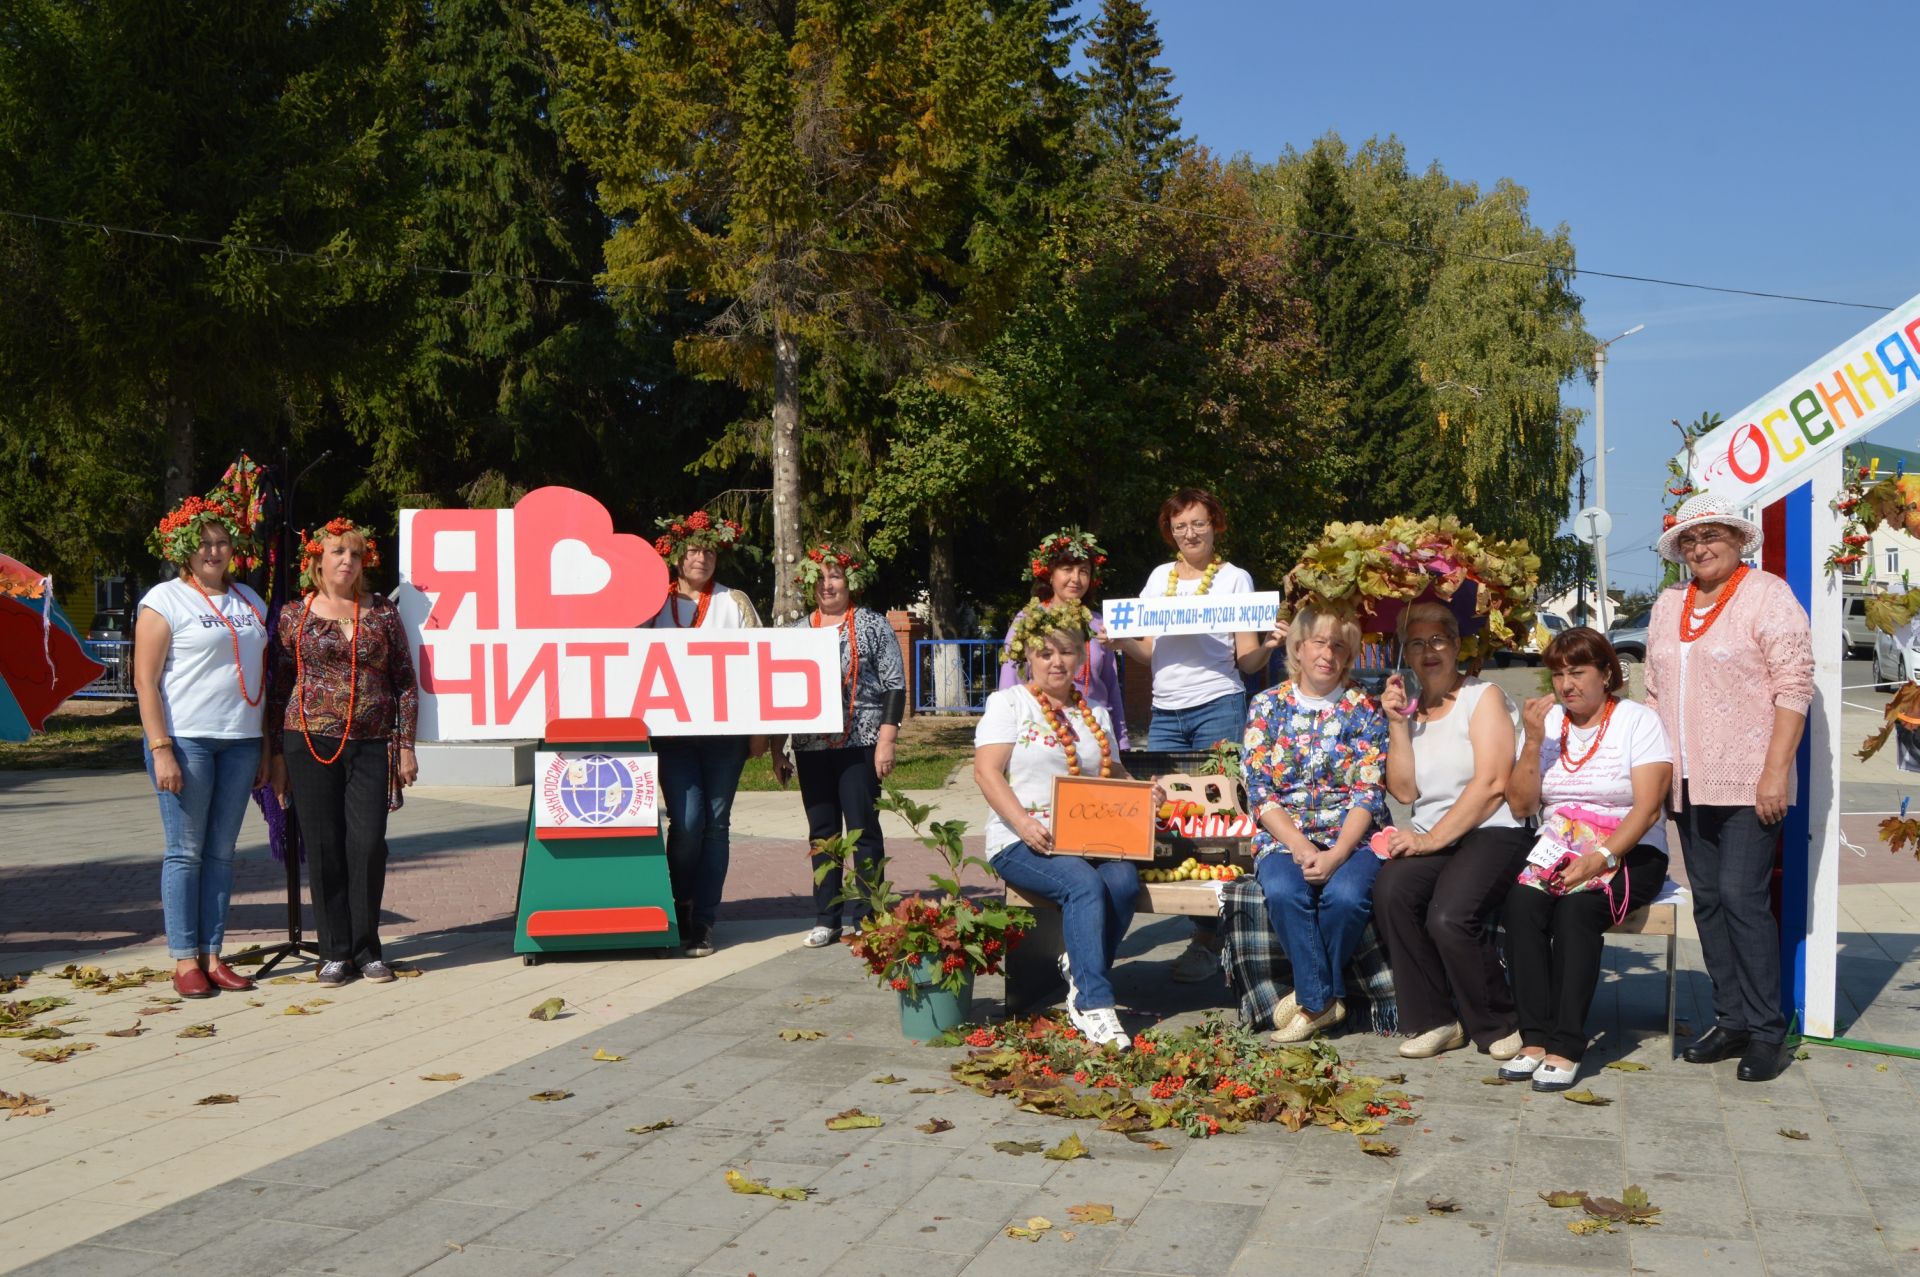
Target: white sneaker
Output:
[
  {"x": 1549, "y": 1078},
  {"x": 1521, "y": 1067},
  {"x": 1102, "y": 1027},
  {"x": 1195, "y": 964},
  {"x": 821, "y": 937},
  {"x": 1300, "y": 1026},
  {"x": 1506, "y": 1048},
  {"x": 1423, "y": 1046}
]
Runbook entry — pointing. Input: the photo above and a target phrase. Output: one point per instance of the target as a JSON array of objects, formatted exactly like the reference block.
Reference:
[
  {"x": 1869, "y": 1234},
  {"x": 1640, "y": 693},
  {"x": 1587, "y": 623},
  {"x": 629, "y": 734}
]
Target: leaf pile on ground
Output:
[
  {"x": 16, "y": 1018},
  {"x": 98, "y": 979},
  {"x": 1203, "y": 1080},
  {"x": 1602, "y": 1213}
]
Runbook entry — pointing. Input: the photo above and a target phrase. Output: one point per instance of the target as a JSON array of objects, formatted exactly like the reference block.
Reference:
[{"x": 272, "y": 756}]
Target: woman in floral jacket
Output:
[{"x": 1314, "y": 764}]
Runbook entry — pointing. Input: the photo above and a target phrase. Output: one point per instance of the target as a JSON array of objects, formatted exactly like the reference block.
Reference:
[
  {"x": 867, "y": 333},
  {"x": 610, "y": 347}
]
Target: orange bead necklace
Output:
[
  {"x": 239, "y": 666},
  {"x": 699, "y": 608},
  {"x": 1692, "y": 628},
  {"x": 1062, "y": 731},
  {"x": 1567, "y": 760},
  {"x": 853, "y": 663},
  {"x": 353, "y": 678}
]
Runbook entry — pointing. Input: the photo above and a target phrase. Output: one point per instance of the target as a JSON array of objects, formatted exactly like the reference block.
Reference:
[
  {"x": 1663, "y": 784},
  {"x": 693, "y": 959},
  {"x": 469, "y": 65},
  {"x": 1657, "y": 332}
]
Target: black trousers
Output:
[
  {"x": 1554, "y": 946},
  {"x": 840, "y": 788},
  {"x": 1730, "y": 856},
  {"x": 343, "y": 823},
  {"x": 1432, "y": 912}
]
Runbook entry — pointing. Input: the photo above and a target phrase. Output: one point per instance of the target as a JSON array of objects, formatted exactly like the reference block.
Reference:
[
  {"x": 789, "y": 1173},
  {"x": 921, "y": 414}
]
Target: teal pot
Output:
[{"x": 927, "y": 1011}]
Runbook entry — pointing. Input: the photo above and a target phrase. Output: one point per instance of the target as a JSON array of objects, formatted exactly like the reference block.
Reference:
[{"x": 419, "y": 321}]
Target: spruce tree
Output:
[{"x": 1132, "y": 132}]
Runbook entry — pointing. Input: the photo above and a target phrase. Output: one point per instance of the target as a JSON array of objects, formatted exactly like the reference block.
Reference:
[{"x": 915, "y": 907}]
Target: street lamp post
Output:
[{"x": 1600, "y": 454}]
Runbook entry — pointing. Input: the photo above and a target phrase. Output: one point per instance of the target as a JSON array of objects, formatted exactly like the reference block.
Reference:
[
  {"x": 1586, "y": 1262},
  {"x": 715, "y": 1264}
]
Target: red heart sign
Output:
[{"x": 573, "y": 571}]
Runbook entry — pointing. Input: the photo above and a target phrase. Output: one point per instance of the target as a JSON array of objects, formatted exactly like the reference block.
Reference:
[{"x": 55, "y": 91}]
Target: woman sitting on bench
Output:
[
  {"x": 1028, "y": 735},
  {"x": 1597, "y": 769}
]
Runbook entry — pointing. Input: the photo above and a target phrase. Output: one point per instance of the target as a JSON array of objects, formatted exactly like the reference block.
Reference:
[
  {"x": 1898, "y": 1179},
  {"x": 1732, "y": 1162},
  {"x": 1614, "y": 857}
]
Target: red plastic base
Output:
[{"x": 596, "y": 922}]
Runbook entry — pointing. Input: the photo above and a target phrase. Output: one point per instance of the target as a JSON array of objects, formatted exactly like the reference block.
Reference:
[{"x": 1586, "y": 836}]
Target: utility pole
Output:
[
  {"x": 1600, "y": 457},
  {"x": 1580, "y": 588}
]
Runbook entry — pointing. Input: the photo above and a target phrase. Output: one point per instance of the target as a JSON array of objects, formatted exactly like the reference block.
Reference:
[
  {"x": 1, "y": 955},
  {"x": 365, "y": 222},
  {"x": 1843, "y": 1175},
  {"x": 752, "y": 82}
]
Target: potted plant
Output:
[{"x": 927, "y": 948}]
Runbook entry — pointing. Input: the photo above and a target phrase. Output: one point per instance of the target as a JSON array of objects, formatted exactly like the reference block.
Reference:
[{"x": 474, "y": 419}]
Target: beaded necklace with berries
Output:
[
  {"x": 1062, "y": 732},
  {"x": 1691, "y": 627},
  {"x": 1206, "y": 577},
  {"x": 1567, "y": 760},
  {"x": 353, "y": 679},
  {"x": 699, "y": 608},
  {"x": 853, "y": 663},
  {"x": 239, "y": 667}
]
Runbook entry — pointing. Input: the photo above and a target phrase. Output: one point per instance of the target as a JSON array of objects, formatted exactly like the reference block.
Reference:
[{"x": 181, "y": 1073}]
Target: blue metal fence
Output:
[
  {"x": 954, "y": 676},
  {"x": 117, "y": 683}
]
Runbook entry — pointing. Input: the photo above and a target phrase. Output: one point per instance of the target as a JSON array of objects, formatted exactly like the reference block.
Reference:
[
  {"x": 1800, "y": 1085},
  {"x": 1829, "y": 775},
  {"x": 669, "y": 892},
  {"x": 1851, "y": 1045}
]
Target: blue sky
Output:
[{"x": 1762, "y": 145}]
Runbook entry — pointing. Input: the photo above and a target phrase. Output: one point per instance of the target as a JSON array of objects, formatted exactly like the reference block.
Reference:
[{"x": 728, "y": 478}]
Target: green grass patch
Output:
[
  {"x": 915, "y": 770},
  {"x": 94, "y": 735}
]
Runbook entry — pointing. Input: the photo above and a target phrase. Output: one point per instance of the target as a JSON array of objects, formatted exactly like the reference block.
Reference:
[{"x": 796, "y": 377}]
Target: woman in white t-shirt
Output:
[
  {"x": 200, "y": 672},
  {"x": 1596, "y": 768},
  {"x": 699, "y": 775},
  {"x": 1028, "y": 735},
  {"x": 1199, "y": 698}
]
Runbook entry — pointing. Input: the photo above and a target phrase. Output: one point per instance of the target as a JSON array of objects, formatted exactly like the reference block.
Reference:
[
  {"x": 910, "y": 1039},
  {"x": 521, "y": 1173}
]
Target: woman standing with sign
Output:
[
  {"x": 1313, "y": 755},
  {"x": 200, "y": 672},
  {"x": 699, "y": 775},
  {"x": 1730, "y": 671},
  {"x": 341, "y": 725},
  {"x": 840, "y": 775},
  {"x": 1448, "y": 757},
  {"x": 1029, "y": 735},
  {"x": 1198, "y": 696},
  {"x": 1066, "y": 569}
]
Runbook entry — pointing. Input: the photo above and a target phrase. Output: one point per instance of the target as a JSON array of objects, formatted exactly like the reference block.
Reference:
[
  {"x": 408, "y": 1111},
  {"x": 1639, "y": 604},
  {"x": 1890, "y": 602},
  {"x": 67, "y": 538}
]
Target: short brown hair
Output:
[
  {"x": 1584, "y": 645},
  {"x": 1185, "y": 497}
]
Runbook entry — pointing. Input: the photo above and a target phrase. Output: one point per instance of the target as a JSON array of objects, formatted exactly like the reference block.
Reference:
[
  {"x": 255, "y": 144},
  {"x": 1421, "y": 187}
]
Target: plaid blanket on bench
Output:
[{"x": 1259, "y": 973}]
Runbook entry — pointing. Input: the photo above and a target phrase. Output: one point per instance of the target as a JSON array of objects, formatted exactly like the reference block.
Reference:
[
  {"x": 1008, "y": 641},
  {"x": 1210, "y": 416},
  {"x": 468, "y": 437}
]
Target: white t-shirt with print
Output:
[
  {"x": 728, "y": 610},
  {"x": 1192, "y": 669},
  {"x": 1604, "y": 782},
  {"x": 1014, "y": 717},
  {"x": 199, "y": 687}
]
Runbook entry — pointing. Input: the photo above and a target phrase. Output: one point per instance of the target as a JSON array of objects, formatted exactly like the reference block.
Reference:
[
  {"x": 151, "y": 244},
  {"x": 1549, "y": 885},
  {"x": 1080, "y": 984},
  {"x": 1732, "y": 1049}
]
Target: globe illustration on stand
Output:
[{"x": 595, "y": 789}]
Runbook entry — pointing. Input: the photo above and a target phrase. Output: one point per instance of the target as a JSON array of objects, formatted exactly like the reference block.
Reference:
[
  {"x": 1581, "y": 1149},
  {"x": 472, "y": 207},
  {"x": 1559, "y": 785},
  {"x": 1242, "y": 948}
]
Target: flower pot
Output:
[{"x": 926, "y": 1010}]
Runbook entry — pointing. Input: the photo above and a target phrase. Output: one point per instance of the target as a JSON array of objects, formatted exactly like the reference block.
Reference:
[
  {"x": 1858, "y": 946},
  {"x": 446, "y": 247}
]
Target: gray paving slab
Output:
[{"x": 405, "y": 1243}]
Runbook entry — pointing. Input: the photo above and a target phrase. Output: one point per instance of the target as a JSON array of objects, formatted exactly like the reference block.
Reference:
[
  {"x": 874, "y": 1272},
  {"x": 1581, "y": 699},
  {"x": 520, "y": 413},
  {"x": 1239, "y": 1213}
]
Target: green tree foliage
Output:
[{"x": 1129, "y": 128}]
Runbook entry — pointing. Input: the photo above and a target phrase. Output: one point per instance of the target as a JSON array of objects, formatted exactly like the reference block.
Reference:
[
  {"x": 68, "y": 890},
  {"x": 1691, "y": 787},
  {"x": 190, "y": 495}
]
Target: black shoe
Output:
[
  {"x": 334, "y": 974},
  {"x": 1760, "y": 1062},
  {"x": 699, "y": 941},
  {"x": 1715, "y": 1044}
]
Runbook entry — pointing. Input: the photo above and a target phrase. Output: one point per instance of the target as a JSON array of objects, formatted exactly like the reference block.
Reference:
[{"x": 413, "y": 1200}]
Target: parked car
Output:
[
  {"x": 1629, "y": 638},
  {"x": 1896, "y": 657},
  {"x": 1547, "y": 626},
  {"x": 1860, "y": 639}
]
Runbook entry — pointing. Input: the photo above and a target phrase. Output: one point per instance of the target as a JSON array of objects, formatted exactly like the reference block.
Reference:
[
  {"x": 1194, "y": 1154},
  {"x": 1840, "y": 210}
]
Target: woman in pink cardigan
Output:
[{"x": 1730, "y": 671}]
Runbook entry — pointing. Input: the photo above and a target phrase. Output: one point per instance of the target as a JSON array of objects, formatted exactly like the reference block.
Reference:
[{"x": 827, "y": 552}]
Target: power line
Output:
[{"x": 1437, "y": 251}]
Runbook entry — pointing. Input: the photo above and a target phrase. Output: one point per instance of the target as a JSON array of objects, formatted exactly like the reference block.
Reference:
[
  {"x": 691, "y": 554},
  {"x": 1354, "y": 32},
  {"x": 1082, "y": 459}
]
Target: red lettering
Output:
[
  {"x": 474, "y": 684},
  {"x": 545, "y": 667},
  {"x": 718, "y": 654},
  {"x": 428, "y": 543},
  {"x": 1753, "y": 432},
  {"x": 573, "y": 571},
  {"x": 596, "y": 654},
  {"x": 771, "y": 667},
  {"x": 659, "y": 667},
  {"x": 1913, "y": 335}
]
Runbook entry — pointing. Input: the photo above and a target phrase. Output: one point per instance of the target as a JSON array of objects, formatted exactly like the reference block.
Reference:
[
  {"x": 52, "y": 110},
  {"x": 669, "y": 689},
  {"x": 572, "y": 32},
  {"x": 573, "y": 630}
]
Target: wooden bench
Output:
[{"x": 1033, "y": 973}]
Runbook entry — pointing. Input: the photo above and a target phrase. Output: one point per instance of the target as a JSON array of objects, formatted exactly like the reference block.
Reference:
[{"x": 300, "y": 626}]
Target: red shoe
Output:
[
  {"x": 193, "y": 984},
  {"x": 223, "y": 976}
]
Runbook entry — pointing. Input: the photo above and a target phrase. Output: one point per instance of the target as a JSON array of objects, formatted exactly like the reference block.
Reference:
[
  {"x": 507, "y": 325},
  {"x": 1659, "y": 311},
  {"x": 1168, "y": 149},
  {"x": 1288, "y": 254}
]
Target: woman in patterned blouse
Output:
[
  {"x": 840, "y": 775},
  {"x": 1314, "y": 764},
  {"x": 340, "y": 728}
]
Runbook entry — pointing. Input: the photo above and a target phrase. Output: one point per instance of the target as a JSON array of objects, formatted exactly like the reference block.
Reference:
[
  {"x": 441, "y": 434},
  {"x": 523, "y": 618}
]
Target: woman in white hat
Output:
[{"x": 1730, "y": 671}]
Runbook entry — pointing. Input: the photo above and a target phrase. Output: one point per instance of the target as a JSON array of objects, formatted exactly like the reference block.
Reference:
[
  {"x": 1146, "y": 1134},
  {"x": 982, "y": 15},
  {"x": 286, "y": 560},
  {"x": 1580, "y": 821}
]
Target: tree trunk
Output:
[
  {"x": 788, "y": 602},
  {"x": 178, "y": 482},
  {"x": 943, "y": 605}
]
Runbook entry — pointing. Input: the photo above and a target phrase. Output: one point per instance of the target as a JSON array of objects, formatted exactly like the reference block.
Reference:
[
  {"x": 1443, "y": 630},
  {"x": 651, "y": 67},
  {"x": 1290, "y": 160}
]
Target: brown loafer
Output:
[
  {"x": 193, "y": 984},
  {"x": 222, "y": 976}
]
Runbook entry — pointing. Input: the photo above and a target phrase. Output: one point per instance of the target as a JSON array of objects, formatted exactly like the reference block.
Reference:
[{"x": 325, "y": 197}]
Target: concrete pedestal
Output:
[{"x": 478, "y": 762}]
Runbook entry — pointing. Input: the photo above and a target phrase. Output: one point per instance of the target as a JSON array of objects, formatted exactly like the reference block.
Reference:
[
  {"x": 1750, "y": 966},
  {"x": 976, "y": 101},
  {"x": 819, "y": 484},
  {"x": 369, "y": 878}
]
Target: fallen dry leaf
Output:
[
  {"x": 154, "y": 1010},
  {"x": 1795, "y": 1135},
  {"x": 887, "y": 1079},
  {"x": 853, "y": 1120},
  {"x": 1629, "y": 1066},
  {"x": 801, "y": 1035},
  {"x": 58, "y": 1054},
  {"x": 296, "y": 1009},
  {"x": 1090, "y": 1213},
  {"x": 218, "y": 1099},
  {"x": 1032, "y": 1230},
  {"x": 285, "y": 979},
  {"x": 440, "y": 1077},
  {"x": 23, "y": 1105},
  {"x": 741, "y": 1184},
  {"x": 1563, "y": 1197},
  {"x": 1067, "y": 1150},
  {"x": 548, "y": 1097},
  {"x": 929, "y": 1090},
  {"x": 407, "y": 973},
  {"x": 39, "y": 1033},
  {"x": 665, "y": 1123},
  {"x": 1495, "y": 1080},
  {"x": 1377, "y": 1148},
  {"x": 133, "y": 1030},
  {"x": 197, "y": 1031},
  {"x": 1019, "y": 1148},
  {"x": 1442, "y": 1206},
  {"x": 1141, "y": 1137},
  {"x": 1067, "y": 1234},
  {"x": 317, "y": 1002},
  {"x": 607, "y": 1057},
  {"x": 1588, "y": 1225},
  {"x": 1631, "y": 1208},
  {"x": 548, "y": 1010},
  {"x": 935, "y": 1126},
  {"x": 165, "y": 1002},
  {"x": 811, "y": 1001},
  {"x": 256, "y": 1002},
  {"x": 1586, "y": 1097},
  {"x": 9, "y": 983}
]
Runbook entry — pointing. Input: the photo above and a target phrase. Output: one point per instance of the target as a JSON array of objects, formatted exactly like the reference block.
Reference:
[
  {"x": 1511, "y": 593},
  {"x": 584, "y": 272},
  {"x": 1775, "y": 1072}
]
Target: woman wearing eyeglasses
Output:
[
  {"x": 1730, "y": 671},
  {"x": 1449, "y": 756}
]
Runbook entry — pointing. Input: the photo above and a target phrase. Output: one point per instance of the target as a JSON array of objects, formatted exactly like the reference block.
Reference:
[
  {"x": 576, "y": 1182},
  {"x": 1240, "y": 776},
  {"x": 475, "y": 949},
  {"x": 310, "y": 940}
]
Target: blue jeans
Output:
[
  {"x": 202, "y": 823},
  {"x": 1199, "y": 726},
  {"x": 699, "y": 776},
  {"x": 1319, "y": 926},
  {"x": 1096, "y": 908}
]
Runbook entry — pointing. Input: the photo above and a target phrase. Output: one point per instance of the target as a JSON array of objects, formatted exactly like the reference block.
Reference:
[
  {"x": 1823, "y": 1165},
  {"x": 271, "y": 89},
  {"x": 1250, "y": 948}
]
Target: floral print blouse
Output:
[
  {"x": 386, "y": 701},
  {"x": 1314, "y": 764},
  {"x": 881, "y": 671}
]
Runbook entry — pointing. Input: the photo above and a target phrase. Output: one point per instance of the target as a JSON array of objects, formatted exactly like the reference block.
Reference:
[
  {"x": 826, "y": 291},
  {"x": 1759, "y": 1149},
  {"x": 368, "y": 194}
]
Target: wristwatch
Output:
[{"x": 1613, "y": 861}]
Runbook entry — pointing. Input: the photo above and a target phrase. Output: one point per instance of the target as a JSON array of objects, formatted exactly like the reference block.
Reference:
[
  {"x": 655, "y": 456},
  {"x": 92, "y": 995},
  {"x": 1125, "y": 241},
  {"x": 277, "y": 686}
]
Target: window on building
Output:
[{"x": 1893, "y": 560}]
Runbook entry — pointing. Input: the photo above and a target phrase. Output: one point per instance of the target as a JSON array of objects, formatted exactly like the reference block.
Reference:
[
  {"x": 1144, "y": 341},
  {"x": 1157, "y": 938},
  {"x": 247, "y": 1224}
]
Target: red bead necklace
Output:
[
  {"x": 239, "y": 667},
  {"x": 353, "y": 678},
  {"x": 853, "y": 663},
  {"x": 699, "y": 609},
  {"x": 1690, "y": 628},
  {"x": 1567, "y": 760},
  {"x": 1063, "y": 733}
]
